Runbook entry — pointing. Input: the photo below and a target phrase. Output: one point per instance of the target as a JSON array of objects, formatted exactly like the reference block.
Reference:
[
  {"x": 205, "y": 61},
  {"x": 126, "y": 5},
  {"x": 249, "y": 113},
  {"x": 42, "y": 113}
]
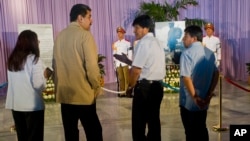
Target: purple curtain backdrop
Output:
[{"x": 229, "y": 16}]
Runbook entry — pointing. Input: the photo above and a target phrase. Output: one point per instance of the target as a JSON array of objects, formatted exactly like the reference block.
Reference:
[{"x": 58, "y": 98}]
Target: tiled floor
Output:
[{"x": 115, "y": 116}]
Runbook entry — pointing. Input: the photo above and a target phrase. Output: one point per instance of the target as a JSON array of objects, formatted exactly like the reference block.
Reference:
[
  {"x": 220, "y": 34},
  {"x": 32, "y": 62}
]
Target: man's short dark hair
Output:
[
  {"x": 145, "y": 22},
  {"x": 78, "y": 9},
  {"x": 194, "y": 31}
]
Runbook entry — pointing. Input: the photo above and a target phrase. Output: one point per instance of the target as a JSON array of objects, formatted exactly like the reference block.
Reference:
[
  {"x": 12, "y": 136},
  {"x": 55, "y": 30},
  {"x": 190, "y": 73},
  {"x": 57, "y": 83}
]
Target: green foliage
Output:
[
  {"x": 173, "y": 11},
  {"x": 248, "y": 68},
  {"x": 154, "y": 10},
  {"x": 198, "y": 22},
  {"x": 165, "y": 12},
  {"x": 101, "y": 66}
]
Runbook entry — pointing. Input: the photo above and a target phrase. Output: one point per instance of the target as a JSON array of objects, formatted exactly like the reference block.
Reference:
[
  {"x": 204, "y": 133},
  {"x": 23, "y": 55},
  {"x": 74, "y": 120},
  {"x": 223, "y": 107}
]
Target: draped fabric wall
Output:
[{"x": 229, "y": 16}]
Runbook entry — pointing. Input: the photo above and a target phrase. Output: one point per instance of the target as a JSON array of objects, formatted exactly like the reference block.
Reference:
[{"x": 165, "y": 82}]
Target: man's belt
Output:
[{"x": 148, "y": 81}]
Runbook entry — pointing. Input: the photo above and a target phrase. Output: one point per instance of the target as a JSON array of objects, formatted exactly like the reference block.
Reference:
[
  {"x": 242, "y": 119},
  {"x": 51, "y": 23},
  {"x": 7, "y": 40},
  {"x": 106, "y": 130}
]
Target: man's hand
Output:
[
  {"x": 129, "y": 92},
  {"x": 113, "y": 47},
  {"x": 123, "y": 58},
  {"x": 48, "y": 73},
  {"x": 98, "y": 92},
  {"x": 202, "y": 104}
]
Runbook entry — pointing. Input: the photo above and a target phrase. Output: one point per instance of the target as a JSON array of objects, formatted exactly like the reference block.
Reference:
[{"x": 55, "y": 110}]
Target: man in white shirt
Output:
[
  {"x": 122, "y": 46},
  {"x": 148, "y": 69},
  {"x": 212, "y": 42}
]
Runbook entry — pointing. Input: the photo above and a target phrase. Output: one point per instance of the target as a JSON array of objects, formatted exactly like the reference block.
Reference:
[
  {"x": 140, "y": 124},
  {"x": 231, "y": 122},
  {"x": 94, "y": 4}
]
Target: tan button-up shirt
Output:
[{"x": 77, "y": 76}]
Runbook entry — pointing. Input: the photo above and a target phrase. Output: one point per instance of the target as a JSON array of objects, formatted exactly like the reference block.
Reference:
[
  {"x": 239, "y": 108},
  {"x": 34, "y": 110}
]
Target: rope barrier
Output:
[
  {"x": 169, "y": 86},
  {"x": 235, "y": 84},
  {"x": 112, "y": 91},
  {"x": 163, "y": 84},
  {"x": 3, "y": 85}
]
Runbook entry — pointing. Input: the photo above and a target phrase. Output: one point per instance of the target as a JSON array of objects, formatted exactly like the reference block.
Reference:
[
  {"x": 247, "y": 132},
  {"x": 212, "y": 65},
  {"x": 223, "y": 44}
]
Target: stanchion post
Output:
[{"x": 219, "y": 127}]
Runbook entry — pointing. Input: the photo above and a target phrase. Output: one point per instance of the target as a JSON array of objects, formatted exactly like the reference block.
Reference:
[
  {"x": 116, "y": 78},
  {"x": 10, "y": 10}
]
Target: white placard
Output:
[
  {"x": 170, "y": 34},
  {"x": 45, "y": 36}
]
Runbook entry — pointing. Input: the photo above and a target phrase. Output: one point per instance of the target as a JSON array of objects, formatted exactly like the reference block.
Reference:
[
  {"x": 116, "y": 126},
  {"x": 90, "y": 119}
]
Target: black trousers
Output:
[
  {"x": 89, "y": 120},
  {"x": 146, "y": 111},
  {"x": 29, "y": 125},
  {"x": 194, "y": 124}
]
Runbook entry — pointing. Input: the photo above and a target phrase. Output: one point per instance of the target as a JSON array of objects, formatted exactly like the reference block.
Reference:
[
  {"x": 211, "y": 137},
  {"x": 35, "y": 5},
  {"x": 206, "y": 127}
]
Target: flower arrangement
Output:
[
  {"x": 248, "y": 68},
  {"x": 248, "y": 71},
  {"x": 49, "y": 92},
  {"x": 101, "y": 67},
  {"x": 172, "y": 77}
]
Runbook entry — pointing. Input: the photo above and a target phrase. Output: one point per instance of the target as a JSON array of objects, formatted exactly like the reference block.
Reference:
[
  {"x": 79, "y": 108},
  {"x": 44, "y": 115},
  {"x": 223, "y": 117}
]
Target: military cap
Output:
[
  {"x": 209, "y": 25},
  {"x": 120, "y": 29}
]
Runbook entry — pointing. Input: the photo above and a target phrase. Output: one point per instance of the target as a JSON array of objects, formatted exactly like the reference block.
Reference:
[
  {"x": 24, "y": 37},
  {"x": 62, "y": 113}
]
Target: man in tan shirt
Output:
[{"x": 77, "y": 76}]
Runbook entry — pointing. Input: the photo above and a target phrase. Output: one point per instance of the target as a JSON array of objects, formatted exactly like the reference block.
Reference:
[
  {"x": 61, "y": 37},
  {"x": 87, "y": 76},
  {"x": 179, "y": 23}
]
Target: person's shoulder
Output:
[
  {"x": 85, "y": 35},
  {"x": 86, "y": 32},
  {"x": 126, "y": 40},
  {"x": 63, "y": 31},
  {"x": 214, "y": 37},
  {"x": 115, "y": 41},
  {"x": 30, "y": 57},
  {"x": 75, "y": 30},
  {"x": 186, "y": 53},
  {"x": 205, "y": 37},
  {"x": 195, "y": 47},
  {"x": 208, "y": 50},
  {"x": 147, "y": 40}
]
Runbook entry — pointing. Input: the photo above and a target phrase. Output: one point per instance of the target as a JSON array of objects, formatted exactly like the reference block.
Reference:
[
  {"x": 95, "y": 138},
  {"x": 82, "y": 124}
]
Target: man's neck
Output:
[{"x": 210, "y": 35}]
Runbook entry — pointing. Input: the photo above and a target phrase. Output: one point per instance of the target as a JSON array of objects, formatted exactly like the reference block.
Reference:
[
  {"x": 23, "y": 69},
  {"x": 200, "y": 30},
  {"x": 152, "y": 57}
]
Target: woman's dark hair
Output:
[
  {"x": 27, "y": 43},
  {"x": 145, "y": 22},
  {"x": 78, "y": 9},
  {"x": 194, "y": 31}
]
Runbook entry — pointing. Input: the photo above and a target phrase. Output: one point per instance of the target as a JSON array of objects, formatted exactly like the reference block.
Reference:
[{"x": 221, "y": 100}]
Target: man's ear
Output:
[
  {"x": 79, "y": 18},
  {"x": 145, "y": 30},
  {"x": 195, "y": 38}
]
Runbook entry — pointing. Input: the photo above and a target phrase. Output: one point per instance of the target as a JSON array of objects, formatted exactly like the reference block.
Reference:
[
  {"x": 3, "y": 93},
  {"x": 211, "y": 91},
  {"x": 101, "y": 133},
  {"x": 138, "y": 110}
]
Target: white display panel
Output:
[
  {"x": 45, "y": 36},
  {"x": 170, "y": 34}
]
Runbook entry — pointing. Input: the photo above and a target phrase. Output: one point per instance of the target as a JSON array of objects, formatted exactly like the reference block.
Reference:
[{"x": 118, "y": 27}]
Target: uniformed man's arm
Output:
[
  {"x": 113, "y": 47},
  {"x": 218, "y": 50}
]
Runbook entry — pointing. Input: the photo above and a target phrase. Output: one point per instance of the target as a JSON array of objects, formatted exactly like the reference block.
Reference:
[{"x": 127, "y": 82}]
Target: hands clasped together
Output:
[{"x": 202, "y": 103}]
